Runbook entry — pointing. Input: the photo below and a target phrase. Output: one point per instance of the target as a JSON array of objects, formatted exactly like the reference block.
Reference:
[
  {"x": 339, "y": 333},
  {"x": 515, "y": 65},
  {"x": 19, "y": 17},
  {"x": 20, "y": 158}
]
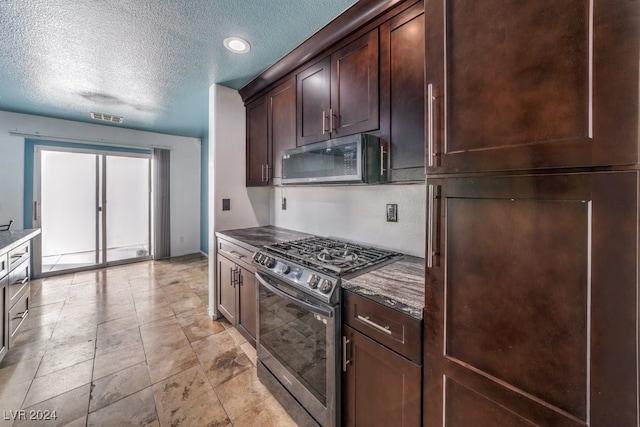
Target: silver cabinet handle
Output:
[
  {"x": 233, "y": 276},
  {"x": 35, "y": 211},
  {"x": 324, "y": 117},
  {"x": 382, "y": 153},
  {"x": 381, "y": 328},
  {"x": 430, "y": 125},
  {"x": 331, "y": 120},
  {"x": 21, "y": 282},
  {"x": 21, "y": 315},
  {"x": 431, "y": 228},
  {"x": 345, "y": 358}
]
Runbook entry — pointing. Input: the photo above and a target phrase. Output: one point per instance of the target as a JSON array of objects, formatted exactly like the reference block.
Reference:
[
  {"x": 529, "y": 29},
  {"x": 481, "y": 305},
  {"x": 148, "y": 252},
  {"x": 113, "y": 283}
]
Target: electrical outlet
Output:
[
  {"x": 284, "y": 203},
  {"x": 226, "y": 204},
  {"x": 392, "y": 213}
]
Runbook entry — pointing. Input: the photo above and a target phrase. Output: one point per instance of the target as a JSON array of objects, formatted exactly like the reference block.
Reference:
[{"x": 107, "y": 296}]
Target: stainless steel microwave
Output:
[{"x": 359, "y": 158}]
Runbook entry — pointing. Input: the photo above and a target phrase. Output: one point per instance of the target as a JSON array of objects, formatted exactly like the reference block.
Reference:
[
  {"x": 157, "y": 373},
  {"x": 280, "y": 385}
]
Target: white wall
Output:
[
  {"x": 227, "y": 149},
  {"x": 356, "y": 212},
  {"x": 185, "y": 169}
]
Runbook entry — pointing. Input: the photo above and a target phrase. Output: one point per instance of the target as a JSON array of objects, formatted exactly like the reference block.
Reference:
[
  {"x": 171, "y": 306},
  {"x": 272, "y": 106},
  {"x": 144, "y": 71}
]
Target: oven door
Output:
[{"x": 296, "y": 342}]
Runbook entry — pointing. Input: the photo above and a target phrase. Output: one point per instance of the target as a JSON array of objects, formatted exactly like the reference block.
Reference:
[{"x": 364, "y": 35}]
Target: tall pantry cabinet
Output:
[{"x": 533, "y": 177}]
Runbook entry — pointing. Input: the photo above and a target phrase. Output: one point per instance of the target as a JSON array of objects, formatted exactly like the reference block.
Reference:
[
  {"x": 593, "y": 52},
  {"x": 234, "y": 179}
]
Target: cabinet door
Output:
[
  {"x": 530, "y": 86},
  {"x": 257, "y": 144},
  {"x": 227, "y": 274},
  {"x": 4, "y": 312},
  {"x": 381, "y": 388},
  {"x": 282, "y": 122},
  {"x": 402, "y": 93},
  {"x": 531, "y": 301},
  {"x": 354, "y": 87},
  {"x": 313, "y": 102},
  {"x": 248, "y": 303}
]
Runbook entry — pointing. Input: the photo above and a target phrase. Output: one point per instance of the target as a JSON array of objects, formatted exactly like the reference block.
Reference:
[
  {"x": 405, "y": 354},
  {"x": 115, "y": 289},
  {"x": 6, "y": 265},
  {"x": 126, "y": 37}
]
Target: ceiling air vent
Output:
[{"x": 106, "y": 117}]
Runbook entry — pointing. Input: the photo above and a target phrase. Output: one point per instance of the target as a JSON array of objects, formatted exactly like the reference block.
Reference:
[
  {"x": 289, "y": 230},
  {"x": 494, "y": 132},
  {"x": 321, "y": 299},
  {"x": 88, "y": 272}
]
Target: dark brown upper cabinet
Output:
[
  {"x": 402, "y": 88},
  {"x": 338, "y": 95},
  {"x": 258, "y": 159},
  {"x": 271, "y": 128},
  {"x": 281, "y": 122},
  {"x": 533, "y": 85},
  {"x": 531, "y": 300}
]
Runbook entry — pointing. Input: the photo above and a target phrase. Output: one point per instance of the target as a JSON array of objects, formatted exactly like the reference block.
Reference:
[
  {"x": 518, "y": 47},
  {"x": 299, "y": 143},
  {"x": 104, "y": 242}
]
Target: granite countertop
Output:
[
  {"x": 399, "y": 285},
  {"x": 14, "y": 238},
  {"x": 255, "y": 237}
]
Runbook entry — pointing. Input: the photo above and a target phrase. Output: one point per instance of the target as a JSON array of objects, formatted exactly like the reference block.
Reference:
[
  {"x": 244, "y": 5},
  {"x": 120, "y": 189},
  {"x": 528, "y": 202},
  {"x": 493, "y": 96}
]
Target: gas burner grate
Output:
[{"x": 330, "y": 255}]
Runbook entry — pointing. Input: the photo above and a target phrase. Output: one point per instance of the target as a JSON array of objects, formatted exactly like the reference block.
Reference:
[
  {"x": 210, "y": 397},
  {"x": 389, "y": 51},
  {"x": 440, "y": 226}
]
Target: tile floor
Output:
[{"x": 132, "y": 345}]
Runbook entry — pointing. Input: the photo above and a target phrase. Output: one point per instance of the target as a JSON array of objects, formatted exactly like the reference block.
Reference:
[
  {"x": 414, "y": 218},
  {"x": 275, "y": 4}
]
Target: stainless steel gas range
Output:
[{"x": 298, "y": 335}]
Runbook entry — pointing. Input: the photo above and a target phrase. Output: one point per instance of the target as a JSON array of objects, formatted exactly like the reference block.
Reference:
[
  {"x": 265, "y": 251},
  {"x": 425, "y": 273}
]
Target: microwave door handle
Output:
[{"x": 311, "y": 307}]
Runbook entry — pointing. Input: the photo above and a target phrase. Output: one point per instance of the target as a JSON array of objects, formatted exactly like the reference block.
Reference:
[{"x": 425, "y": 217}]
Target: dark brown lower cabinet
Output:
[
  {"x": 381, "y": 388},
  {"x": 236, "y": 288},
  {"x": 227, "y": 271},
  {"x": 247, "y": 316},
  {"x": 531, "y": 305}
]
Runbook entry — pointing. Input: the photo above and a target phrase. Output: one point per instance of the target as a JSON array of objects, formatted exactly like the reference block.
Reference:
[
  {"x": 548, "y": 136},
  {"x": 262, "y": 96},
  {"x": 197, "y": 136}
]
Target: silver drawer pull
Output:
[
  {"x": 21, "y": 315},
  {"x": 21, "y": 282},
  {"x": 237, "y": 255},
  {"x": 366, "y": 320}
]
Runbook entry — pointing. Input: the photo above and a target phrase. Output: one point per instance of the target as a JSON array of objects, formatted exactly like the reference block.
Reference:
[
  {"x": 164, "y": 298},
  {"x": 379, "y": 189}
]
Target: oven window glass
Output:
[{"x": 297, "y": 338}]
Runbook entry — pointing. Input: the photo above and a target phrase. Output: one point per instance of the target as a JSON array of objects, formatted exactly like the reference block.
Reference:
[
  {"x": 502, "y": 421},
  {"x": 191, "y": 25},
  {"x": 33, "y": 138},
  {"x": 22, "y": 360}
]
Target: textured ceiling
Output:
[{"x": 151, "y": 61}]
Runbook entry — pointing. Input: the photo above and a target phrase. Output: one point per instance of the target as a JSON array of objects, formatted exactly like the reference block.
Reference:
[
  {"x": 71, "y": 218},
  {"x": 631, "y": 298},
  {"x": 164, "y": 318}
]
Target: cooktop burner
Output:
[{"x": 334, "y": 256}]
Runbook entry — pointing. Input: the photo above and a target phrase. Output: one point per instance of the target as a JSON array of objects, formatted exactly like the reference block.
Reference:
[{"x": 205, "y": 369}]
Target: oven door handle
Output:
[{"x": 311, "y": 307}]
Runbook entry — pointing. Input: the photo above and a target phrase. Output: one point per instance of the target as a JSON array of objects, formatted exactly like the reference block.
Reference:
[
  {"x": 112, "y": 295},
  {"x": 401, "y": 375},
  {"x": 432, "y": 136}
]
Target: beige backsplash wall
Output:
[{"x": 356, "y": 212}]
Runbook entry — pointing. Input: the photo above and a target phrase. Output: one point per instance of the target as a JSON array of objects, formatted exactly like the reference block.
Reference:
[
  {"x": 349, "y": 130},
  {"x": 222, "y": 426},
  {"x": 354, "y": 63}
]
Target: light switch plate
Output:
[
  {"x": 392, "y": 213},
  {"x": 226, "y": 204}
]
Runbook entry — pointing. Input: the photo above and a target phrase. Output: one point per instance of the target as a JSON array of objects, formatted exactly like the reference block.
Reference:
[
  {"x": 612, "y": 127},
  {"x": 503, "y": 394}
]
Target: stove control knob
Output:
[
  {"x": 270, "y": 262},
  {"x": 285, "y": 269},
  {"x": 313, "y": 281},
  {"x": 326, "y": 286}
]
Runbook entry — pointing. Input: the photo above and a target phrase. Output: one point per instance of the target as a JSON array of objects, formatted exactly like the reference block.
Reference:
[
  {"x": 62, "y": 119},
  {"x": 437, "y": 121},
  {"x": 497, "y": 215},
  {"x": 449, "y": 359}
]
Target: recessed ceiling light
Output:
[{"x": 236, "y": 44}]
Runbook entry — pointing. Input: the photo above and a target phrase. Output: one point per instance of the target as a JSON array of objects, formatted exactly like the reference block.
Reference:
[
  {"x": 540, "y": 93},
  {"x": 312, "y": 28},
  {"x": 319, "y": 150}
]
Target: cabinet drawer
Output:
[
  {"x": 4, "y": 265},
  {"x": 18, "y": 282},
  {"x": 400, "y": 333},
  {"x": 17, "y": 315},
  {"x": 19, "y": 255},
  {"x": 236, "y": 253}
]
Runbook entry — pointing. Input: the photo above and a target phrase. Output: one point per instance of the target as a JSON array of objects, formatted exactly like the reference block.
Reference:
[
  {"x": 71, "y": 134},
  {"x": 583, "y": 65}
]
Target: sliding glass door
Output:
[
  {"x": 69, "y": 219},
  {"x": 128, "y": 216},
  {"x": 93, "y": 208}
]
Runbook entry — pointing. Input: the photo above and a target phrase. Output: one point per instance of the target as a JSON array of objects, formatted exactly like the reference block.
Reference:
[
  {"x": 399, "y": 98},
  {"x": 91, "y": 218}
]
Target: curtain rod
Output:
[{"x": 86, "y": 141}]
